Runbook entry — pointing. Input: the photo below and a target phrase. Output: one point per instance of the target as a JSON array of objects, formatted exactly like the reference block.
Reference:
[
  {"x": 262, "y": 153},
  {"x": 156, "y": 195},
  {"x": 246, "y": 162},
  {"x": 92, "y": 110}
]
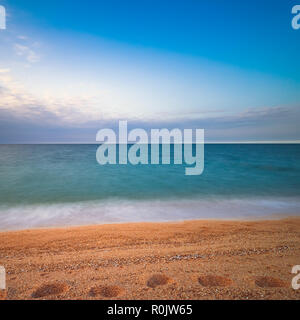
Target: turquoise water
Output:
[{"x": 48, "y": 185}]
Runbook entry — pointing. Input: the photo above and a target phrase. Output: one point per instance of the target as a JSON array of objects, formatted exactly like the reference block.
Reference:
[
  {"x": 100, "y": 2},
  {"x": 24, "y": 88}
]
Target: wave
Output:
[{"x": 123, "y": 211}]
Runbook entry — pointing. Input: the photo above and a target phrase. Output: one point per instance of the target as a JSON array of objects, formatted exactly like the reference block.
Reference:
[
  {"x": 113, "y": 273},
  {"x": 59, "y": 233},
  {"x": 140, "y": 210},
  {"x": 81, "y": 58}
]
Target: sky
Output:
[{"x": 69, "y": 68}]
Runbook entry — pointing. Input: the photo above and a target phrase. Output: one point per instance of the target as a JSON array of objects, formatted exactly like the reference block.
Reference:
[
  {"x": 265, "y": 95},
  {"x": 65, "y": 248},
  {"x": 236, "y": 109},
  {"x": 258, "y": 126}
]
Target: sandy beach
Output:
[{"x": 182, "y": 260}]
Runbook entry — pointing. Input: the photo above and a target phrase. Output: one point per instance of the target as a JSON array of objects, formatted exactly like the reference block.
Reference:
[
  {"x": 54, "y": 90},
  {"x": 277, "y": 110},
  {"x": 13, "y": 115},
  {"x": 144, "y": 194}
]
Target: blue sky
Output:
[{"x": 70, "y": 68}]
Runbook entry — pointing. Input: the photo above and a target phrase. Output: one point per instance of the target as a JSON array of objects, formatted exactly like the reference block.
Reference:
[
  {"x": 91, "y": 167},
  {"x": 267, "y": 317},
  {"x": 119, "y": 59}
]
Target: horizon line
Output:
[{"x": 208, "y": 142}]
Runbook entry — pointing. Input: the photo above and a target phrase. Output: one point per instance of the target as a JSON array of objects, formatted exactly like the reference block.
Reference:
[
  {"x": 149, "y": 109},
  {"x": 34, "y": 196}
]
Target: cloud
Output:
[
  {"x": 78, "y": 118},
  {"x": 26, "y": 52},
  {"x": 4, "y": 70},
  {"x": 14, "y": 129},
  {"x": 68, "y": 110},
  {"x": 21, "y": 37}
]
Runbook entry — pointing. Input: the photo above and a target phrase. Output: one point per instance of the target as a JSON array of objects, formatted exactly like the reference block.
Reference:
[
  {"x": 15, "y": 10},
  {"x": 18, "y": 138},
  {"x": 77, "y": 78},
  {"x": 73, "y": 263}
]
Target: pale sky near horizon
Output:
[{"x": 70, "y": 68}]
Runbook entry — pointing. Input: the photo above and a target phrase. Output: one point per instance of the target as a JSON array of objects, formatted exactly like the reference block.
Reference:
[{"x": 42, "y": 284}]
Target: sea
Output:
[{"x": 55, "y": 185}]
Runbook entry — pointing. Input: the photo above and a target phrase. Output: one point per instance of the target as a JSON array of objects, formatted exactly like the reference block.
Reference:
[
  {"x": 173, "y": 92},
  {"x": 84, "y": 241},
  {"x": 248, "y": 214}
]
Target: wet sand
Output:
[{"x": 182, "y": 260}]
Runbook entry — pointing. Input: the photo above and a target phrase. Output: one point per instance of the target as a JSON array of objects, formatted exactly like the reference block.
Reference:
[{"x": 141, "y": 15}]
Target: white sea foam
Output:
[{"x": 96, "y": 212}]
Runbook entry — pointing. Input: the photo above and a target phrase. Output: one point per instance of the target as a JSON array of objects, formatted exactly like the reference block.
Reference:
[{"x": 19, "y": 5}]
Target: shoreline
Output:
[
  {"x": 198, "y": 259},
  {"x": 87, "y": 213},
  {"x": 271, "y": 217}
]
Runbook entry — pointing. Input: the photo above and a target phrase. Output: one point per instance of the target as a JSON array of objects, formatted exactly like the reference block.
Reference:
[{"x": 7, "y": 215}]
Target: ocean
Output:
[{"x": 63, "y": 185}]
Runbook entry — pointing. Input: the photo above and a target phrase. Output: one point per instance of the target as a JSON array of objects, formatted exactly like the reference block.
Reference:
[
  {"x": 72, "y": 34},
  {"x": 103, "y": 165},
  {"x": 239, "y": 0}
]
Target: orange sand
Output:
[{"x": 186, "y": 260}]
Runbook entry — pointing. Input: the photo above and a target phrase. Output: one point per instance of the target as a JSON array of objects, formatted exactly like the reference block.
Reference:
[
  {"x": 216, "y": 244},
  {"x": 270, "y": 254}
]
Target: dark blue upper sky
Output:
[{"x": 250, "y": 34}]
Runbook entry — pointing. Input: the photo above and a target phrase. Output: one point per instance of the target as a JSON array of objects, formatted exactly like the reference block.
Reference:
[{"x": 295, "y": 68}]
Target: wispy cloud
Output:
[
  {"x": 4, "y": 70},
  {"x": 77, "y": 119},
  {"x": 29, "y": 54},
  {"x": 17, "y": 101},
  {"x": 21, "y": 37}
]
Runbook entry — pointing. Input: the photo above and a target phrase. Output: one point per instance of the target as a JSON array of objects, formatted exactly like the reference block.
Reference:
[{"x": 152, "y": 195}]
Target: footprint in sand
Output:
[
  {"x": 3, "y": 294},
  {"x": 158, "y": 280},
  {"x": 270, "y": 282},
  {"x": 214, "y": 281},
  {"x": 50, "y": 289},
  {"x": 46, "y": 275},
  {"x": 106, "y": 291}
]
